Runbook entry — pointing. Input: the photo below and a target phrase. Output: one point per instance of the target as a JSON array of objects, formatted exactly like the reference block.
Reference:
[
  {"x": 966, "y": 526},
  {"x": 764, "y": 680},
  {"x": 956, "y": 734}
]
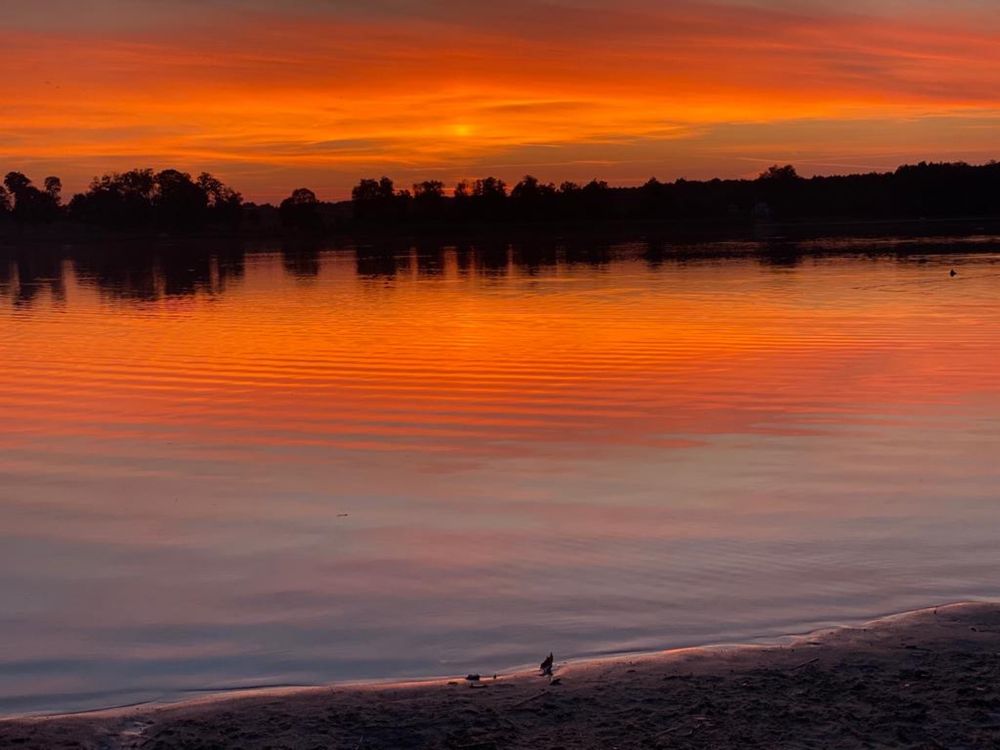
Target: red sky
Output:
[{"x": 276, "y": 95}]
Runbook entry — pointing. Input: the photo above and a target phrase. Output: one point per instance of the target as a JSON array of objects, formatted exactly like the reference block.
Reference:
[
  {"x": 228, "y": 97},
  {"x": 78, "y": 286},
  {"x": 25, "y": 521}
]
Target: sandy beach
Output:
[{"x": 926, "y": 679}]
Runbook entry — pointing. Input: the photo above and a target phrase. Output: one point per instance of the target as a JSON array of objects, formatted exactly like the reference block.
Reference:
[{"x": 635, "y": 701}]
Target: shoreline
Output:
[
  {"x": 949, "y": 654},
  {"x": 206, "y": 696}
]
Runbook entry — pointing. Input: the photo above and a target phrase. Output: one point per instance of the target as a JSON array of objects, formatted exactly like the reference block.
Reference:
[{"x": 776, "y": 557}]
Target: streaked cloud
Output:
[{"x": 273, "y": 95}]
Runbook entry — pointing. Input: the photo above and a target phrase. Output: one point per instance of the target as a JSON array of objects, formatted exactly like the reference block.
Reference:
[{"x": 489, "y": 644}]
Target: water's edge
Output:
[{"x": 190, "y": 698}]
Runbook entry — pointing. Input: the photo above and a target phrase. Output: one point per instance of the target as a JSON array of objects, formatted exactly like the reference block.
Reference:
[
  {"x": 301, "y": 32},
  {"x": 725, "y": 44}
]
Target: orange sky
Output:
[{"x": 272, "y": 95}]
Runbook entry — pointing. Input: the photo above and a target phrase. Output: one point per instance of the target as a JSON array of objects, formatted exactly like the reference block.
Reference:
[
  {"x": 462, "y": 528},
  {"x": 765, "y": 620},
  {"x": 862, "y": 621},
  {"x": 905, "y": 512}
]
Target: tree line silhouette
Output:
[{"x": 171, "y": 201}]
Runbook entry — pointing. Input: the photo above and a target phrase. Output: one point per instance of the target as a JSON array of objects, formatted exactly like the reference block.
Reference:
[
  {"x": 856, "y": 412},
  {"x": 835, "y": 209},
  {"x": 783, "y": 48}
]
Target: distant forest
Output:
[{"x": 174, "y": 202}]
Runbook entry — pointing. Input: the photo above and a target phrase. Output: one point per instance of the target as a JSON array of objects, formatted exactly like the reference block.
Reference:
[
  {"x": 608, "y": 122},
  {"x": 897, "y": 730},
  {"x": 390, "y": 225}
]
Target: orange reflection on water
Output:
[{"x": 465, "y": 363}]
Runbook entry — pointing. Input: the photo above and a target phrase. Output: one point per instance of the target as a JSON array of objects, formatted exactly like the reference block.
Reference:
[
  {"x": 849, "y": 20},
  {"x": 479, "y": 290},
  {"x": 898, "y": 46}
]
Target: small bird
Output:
[
  {"x": 555, "y": 681},
  {"x": 953, "y": 273},
  {"x": 546, "y": 665}
]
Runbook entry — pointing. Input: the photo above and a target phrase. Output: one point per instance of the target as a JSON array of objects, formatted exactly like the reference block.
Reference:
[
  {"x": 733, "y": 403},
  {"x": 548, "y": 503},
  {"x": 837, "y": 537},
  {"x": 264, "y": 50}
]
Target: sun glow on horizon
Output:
[{"x": 284, "y": 96}]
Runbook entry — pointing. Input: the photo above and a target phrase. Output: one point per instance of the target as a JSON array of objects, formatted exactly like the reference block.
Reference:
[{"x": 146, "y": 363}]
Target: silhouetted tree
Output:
[
  {"x": 371, "y": 190},
  {"x": 489, "y": 199},
  {"x": 461, "y": 199},
  {"x": 785, "y": 174},
  {"x": 53, "y": 186},
  {"x": 168, "y": 200},
  {"x": 117, "y": 200},
  {"x": 430, "y": 190},
  {"x": 16, "y": 182},
  {"x": 532, "y": 200},
  {"x": 490, "y": 187},
  {"x": 31, "y": 205},
  {"x": 778, "y": 196},
  {"x": 225, "y": 204},
  {"x": 654, "y": 199},
  {"x": 596, "y": 199},
  {"x": 179, "y": 203},
  {"x": 377, "y": 200},
  {"x": 300, "y": 211},
  {"x": 428, "y": 200}
]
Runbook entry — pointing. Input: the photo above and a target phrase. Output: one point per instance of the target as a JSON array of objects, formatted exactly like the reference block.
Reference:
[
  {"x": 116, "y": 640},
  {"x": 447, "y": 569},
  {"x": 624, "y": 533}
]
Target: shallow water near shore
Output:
[{"x": 223, "y": 469}]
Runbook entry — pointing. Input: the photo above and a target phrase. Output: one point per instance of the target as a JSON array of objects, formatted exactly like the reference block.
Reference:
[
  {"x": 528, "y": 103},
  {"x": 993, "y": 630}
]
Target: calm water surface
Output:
[{"x": 289, "y": 468}]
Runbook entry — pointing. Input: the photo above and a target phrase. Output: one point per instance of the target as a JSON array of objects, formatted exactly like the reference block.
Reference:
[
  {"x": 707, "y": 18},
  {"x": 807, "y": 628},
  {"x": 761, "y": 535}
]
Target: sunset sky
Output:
[{"x": 276, "y": 95}]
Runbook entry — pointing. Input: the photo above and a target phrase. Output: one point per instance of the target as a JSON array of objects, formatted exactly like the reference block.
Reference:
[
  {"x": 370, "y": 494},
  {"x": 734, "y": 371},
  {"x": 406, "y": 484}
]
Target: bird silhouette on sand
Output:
[{"x": 546, "y": 665}]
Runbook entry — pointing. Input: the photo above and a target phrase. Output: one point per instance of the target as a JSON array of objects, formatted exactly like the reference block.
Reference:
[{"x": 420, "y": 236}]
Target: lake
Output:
[{"x": 225, "y": 469}]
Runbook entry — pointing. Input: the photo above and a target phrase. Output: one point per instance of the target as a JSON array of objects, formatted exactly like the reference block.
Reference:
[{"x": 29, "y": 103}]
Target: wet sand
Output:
[{"x": 927, "y": 679}]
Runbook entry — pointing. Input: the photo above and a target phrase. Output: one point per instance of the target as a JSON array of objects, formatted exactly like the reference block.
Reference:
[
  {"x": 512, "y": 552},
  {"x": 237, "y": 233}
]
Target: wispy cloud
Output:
[{"x": 294, "y": 89}]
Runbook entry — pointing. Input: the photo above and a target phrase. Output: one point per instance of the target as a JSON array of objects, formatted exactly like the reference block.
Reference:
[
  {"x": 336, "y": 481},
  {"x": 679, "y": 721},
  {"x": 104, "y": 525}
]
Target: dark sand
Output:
[{"x": 929, "y": 679}]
